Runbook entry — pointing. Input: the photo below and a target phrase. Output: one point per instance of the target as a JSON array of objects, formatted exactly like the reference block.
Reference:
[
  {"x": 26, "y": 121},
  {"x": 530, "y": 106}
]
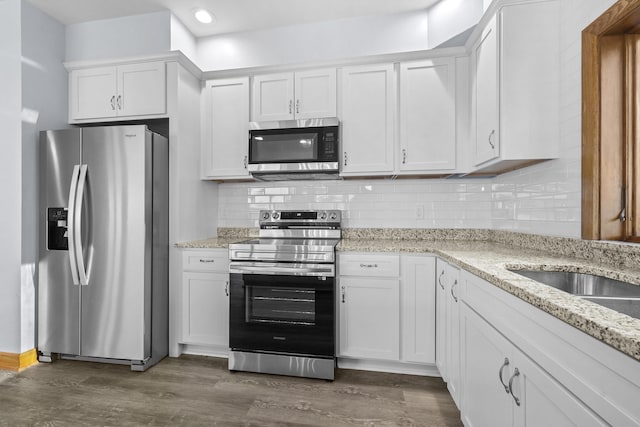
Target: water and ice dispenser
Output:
[{"x": 57, "y": 229}]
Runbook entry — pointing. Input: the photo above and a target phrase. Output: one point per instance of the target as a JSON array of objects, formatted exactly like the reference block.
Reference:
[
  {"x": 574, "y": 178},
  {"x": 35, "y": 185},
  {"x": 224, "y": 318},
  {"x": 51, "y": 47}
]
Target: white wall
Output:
[
  {"x": 315, "y": 42},
  {"x": 546, "y": 198},
  {"x": 10, "y": 176},
  {"x": 448, "y": 18},
  {"x": 145, "y": 34},
  {"x": 44, "y": 94},
  {"x": 183, "y": 40},
  {"x": 401, "y": 203}
]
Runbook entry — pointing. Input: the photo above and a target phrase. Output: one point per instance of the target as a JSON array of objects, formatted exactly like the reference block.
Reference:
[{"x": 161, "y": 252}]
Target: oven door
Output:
[{"x": 282, "y": 314}]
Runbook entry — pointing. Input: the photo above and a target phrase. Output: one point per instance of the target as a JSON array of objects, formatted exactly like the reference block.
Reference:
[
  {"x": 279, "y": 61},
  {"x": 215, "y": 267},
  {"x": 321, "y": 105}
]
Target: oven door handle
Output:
[{"x": 279, "y": 269}]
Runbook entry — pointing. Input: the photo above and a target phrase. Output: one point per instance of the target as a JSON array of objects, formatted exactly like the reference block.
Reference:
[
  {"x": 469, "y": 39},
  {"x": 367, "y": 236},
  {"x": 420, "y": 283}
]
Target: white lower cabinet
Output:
[
  {"x": 523, "y": 367},
  {"x": 205, "y": 298},
  {"x": 386, "y": 306},
  {"x": 447, "y": 281},
  {"x": 417, "y": 309},
  {"x": 369, "y": 317},
  {"x": 503, "y": 387}
]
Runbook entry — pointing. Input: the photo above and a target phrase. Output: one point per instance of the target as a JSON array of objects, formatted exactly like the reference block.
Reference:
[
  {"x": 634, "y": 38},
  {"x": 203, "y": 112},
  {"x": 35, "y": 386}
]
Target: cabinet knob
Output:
[
  {"x": 513, "y": 377},
  {"x": 491, "y": 136},
  {"x": 504, "y": 365}
]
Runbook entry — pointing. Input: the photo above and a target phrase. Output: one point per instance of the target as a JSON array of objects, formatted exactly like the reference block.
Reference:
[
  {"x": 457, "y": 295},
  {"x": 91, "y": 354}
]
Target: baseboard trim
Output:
[
  {"x": 18, "y": 361},
  {"x": 389, "y": 366}
]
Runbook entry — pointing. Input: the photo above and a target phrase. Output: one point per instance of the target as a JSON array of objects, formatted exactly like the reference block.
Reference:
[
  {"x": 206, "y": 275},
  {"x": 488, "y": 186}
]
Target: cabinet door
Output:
[
  {"x": 272, "y": 97},
  {"x": 441, "y": 319},
  {"x": 485, "y": 362},
  {"x": 427, "y": 116},
  {"x": 315, "y": 93},
  {"x": 369, "y": 318},
  {"x": 205, "y": 308},
  {"x": 226, "y": 121},
  {"x": 142, "y": 89},
  {"x": 92, "y": 93},
  {"x": 487, "y": 144},
  {"x": 368, "y": 103},
  {"x": 452, "y": 281},
  {"x": 418, "y": 309},
  {"x": 542, "y": 401}
]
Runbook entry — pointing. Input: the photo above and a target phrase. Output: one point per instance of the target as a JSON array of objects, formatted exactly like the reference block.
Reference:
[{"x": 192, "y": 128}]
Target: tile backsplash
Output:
[{"x": 441, "y": 203}]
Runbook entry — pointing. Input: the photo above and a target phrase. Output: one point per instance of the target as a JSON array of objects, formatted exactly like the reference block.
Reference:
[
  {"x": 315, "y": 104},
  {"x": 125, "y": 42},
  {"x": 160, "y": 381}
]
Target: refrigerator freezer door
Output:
[
  {"x": 116, "y": 233},
  {"x": 58, "y": 297}
]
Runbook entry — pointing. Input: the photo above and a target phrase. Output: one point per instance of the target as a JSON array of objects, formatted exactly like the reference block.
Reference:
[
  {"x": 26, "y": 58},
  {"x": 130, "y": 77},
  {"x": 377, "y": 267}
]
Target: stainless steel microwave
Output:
[{"x": 294, "y": 149}]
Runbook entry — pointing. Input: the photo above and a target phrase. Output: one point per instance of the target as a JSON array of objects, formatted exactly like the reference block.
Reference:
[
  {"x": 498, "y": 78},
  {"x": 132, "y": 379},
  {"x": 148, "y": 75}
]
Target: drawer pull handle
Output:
[
  {"x": 343, "y": 292},
  {"x": 504, "y": 365},
  {"x": 513, "y": 377},
  {"x": 440, "y": 280},
  {"x": 204, "y": 260},
  {"x": 226, "y": 288},
  {"x": 368, "y": 265}
]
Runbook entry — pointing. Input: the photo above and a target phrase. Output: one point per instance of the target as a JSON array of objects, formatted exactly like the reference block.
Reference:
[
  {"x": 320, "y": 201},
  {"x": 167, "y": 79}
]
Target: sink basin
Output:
[{"x": 614, "y": 294}]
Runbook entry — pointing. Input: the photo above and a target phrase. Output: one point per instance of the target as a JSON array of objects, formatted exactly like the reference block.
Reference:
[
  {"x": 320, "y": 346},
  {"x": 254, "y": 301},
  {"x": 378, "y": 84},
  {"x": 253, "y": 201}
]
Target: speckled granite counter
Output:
[
  {"x": 490, "y": 254},
  {"x": 210, "y": 243}
]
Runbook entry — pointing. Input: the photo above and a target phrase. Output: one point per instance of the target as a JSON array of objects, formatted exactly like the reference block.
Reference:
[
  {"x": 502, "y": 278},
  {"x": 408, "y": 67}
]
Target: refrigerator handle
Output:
[
  {"x": 71, "y": 230},
  {"x": 77, "y": 223}
]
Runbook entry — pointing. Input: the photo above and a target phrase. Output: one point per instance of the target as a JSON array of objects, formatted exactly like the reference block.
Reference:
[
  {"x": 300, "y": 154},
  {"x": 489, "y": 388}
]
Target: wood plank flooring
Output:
[{"x": 195, "y": 390}]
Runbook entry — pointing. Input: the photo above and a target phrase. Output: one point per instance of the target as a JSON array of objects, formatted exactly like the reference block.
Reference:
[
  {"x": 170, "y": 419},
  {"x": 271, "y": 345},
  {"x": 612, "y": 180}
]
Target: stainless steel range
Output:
[{"x": 282, "y": 295}]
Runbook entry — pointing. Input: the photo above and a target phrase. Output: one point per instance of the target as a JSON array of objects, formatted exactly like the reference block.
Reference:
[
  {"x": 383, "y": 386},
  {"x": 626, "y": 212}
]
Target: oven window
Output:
[
  {"x": 274, "y": 304},
  {"x": 284, "y": 147}
]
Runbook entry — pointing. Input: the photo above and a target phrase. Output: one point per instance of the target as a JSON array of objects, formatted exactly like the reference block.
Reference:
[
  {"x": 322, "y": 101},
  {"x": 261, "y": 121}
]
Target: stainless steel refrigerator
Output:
[{"x": 103, "y": 269}]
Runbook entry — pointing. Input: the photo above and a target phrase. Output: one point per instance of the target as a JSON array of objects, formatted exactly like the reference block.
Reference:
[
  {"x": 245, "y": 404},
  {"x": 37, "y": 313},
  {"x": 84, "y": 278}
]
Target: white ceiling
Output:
[{"x": 230, "y": 15}]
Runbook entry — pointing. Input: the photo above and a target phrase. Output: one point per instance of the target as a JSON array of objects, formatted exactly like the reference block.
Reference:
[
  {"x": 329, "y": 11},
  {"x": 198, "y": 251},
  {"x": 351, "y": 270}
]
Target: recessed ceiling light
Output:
[{"x": 204, "y": 16}]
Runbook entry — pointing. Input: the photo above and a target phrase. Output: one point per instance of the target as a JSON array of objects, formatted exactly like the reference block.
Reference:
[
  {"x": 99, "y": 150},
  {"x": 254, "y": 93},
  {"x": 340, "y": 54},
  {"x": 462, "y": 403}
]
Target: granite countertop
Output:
[
  {"x": 492, "y": 260},
  {"x": 210, "y": 243}
]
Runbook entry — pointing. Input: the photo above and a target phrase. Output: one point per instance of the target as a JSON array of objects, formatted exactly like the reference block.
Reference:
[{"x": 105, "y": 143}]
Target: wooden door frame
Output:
[{"x": 622, "y": 17}]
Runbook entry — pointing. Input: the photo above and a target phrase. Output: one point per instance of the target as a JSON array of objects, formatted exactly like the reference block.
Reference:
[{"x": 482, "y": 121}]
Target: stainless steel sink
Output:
[{"x": 614, "y": 294}]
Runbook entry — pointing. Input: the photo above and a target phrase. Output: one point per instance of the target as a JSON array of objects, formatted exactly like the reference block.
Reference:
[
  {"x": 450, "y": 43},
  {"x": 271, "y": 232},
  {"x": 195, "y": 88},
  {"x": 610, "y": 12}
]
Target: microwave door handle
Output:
[{"x": 71, "y": 230}]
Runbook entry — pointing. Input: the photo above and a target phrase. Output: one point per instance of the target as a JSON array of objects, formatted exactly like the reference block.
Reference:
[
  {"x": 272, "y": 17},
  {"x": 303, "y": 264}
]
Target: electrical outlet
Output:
[{"x": 419, "y": 212}]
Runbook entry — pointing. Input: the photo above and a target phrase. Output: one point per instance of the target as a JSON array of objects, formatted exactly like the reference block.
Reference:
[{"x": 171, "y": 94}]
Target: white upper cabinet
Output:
[
  {"x": 487, "y": 145},
  {"x": 368, "y": 101},
  {"x": 427, "y": 116},
  {"x": 516, "y": 87},
  {"x": 300, "y": 95},
  {"x": 226, "y": 125},
  {"x": 117, "y": 91}
]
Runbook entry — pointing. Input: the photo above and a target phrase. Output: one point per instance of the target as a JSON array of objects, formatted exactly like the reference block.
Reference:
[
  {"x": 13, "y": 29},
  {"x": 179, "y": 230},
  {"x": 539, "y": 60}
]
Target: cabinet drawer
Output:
[
  {"x": 206, "y": 260},
  {"x": 364, "y": 264}
]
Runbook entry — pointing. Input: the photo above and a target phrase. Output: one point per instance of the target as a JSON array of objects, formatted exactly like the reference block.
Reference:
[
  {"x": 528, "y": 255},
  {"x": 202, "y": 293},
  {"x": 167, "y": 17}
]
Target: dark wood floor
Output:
[{"x": 193, "y": 390}]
